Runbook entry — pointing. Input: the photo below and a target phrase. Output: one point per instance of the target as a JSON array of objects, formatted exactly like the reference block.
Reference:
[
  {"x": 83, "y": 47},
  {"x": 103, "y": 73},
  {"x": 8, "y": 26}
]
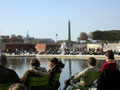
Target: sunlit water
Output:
[{"x": 21, "y": 65}]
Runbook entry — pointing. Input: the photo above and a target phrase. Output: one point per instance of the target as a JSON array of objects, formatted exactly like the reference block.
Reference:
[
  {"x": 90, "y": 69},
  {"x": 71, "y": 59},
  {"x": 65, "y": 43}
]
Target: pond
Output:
[{"x": 21, "y": 65}]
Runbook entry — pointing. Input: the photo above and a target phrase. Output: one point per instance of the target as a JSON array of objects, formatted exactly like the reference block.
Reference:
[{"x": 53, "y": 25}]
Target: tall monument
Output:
[
  {"x": 69, "y": 46},
  {"x": 69, "y": 36}
]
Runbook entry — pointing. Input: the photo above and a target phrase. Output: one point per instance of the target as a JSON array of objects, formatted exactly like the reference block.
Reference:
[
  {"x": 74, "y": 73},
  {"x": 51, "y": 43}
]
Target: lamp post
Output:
[
  {"x": 56, "y": 37},
  {"x": 27, "y": 33}
]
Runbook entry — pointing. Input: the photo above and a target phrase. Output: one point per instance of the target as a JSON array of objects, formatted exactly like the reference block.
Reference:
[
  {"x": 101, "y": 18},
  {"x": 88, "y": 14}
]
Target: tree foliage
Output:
[
  {"x": 112, "y": 35},
  {"x": 15, "y": 38},
  {"x": 83, "y": 36}
]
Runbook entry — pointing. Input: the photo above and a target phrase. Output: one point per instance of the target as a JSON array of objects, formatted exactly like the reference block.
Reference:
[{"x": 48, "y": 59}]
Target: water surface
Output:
[{"x": 21, "y": 65}]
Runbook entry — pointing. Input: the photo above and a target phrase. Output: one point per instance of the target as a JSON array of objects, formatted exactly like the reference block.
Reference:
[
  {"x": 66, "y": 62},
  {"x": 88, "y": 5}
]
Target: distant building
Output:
[
  {"x": 4, "y": 38},
  {"x": 94, "y": 46},
  {"x": 46, "y": 47},
  {"x": 20, "y": 47},
  {"x": 28, "y": 39},
  {"x": 79, "y": 45},
  {"x": 32, "y": 40},
  {"x": 2, "y": 47},
  {"x": 45, "y": 41}
]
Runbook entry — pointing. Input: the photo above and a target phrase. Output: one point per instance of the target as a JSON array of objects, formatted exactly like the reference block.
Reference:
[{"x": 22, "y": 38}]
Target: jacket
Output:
[
  {"x": 52, "y": 72},
  {"x": 109, "y": 80},
  {"x": 8, "y": 75},
  {"x": 109, "y": 65},
  {"x": 33, "y": 72}
]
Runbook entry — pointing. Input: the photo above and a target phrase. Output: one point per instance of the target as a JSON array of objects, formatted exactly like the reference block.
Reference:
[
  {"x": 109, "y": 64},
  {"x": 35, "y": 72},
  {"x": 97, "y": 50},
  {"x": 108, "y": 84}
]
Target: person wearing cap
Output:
[
  {"x": 35, "y": 70},
  {"x": 7, "y": 75}
]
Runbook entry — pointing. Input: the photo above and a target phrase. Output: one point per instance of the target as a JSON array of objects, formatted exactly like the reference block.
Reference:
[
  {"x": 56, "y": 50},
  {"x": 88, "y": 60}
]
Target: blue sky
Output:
[{"x": 45, "y": 18}]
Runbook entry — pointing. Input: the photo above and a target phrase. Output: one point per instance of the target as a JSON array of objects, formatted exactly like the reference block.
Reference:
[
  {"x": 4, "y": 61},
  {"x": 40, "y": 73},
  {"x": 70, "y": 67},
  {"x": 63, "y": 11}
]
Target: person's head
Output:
[
  {"x": 3, "y": 60},
  {"x": 60, "y": 64},
  {"x": 34, "y": 63},
  {"x": 53, "y": 62},
  {"x": 92, "y": 61},
  {"x": 109, "y": 55},
  {"x": 17, "y": 86}
]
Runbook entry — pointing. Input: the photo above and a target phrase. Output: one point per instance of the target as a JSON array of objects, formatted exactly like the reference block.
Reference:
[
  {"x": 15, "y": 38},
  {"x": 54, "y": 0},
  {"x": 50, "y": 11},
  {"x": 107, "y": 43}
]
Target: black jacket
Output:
[
  {"x": 109, "y": 80},
  {"x": 8, "y": 75},
  {"x": 52, "y": 72}
]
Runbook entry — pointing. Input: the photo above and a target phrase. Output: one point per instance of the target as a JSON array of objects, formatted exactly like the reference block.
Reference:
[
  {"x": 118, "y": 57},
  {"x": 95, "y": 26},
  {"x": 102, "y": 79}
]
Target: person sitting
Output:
[
  {"x": 7, "y": 75},
  {"x": 78, "y": 76},
  {"x": 55, "y": 67},
  {"x": 34, "y": 71},
  {"x": 17, "y": 86},
  {"x": 110, "y": 62},
  {"x": 110, "y": 75}
]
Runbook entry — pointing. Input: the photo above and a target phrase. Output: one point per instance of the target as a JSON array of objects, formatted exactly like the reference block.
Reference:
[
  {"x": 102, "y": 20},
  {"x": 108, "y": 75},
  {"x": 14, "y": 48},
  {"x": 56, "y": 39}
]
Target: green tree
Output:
[
  {"x": 83, "y": 36},
  {"x": 111, "y": 35}
]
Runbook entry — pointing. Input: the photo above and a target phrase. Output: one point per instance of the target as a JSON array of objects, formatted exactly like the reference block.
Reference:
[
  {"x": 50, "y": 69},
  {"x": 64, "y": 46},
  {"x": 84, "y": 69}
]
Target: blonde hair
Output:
[{"x": 17, "y": 86}]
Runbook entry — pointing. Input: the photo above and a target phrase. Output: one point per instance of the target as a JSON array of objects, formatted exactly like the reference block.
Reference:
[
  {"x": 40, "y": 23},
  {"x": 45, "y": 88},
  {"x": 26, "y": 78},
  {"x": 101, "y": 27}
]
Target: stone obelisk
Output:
[
  {"x": 69, "y": 36},
  {"x": 69, "y": 46}
]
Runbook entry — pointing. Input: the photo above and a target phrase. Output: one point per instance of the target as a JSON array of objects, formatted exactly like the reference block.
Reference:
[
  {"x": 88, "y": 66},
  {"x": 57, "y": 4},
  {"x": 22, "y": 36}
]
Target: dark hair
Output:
[
  {"x": 54, "y": 60},
  {"x": 61, "y": 65},
  {"x": 3, "y": 60},
  {"x": 110, "y": 54},
  {"x": 35, "y": 62},
  {"x": 92, "y": 61},
  {"x": 17, "y": 86},
  {"x": 57, "y": 62}
]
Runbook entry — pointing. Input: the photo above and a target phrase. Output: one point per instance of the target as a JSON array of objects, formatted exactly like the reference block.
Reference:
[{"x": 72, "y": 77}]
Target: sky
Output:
[{"x": 45, "y": 18}]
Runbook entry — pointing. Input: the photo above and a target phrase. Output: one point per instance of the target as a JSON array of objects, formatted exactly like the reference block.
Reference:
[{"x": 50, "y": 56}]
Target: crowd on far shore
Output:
[{"x": 65, "y": 51}]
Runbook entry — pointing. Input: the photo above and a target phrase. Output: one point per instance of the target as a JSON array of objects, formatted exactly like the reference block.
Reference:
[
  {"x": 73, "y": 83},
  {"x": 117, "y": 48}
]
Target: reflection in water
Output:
[
  {"x": 83, "y": 64},
  {"x": 70, "y": 71},
  {"x": 21, "y": 65}
]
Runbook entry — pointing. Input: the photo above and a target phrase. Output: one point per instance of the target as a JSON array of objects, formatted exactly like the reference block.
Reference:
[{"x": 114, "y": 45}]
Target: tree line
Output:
[{"x": 104, "y": 36}]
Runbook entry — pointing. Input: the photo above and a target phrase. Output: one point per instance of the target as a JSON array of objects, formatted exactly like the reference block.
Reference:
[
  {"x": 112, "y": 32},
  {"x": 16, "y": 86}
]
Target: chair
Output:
[
  {"x": 88, "y": 79},
  {"x": 37, "y": 83},
  {"x": 55, "y": 80},
  {"x": 5, "y": 86}
]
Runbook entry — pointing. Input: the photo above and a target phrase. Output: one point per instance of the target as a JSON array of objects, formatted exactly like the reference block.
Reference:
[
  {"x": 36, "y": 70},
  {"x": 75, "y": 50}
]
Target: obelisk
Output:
[
  {"x": 69, "y": 46},
  {"x": 69, "y": 36}
]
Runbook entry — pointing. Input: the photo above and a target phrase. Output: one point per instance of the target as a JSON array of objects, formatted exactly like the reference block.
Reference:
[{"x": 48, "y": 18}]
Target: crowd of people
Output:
[
  {"x": 66, "y": 51},
  {"x": 109, "y": 78}
]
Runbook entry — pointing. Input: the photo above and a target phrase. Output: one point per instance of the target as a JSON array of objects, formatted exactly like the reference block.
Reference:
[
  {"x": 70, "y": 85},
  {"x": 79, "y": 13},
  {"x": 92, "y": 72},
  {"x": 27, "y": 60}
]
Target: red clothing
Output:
[{"x": 109, "y": 66}]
